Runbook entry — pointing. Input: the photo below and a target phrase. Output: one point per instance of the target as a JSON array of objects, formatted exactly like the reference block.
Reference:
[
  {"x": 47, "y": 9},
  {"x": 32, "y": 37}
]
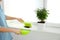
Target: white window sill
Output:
[
  {"x": 47, "y": 27},
  {"x": 50, "y": 27}
]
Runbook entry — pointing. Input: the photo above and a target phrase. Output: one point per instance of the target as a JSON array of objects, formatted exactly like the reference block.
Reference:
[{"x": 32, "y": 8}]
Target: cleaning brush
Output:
[{"x": 27, "y": 25}]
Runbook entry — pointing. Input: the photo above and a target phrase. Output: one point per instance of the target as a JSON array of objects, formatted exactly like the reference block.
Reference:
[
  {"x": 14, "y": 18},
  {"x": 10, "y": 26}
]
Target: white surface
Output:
[
  {"x": 35, "y": 35},
  {"x": 52, "y": 27},
  {"x": 49, "y": 33},
  {"x": 17, "y": 24},
  {"x": 45, "y": 32},
  {"x": 52, "y": 30},
  {"x": 47, "y": 27}
]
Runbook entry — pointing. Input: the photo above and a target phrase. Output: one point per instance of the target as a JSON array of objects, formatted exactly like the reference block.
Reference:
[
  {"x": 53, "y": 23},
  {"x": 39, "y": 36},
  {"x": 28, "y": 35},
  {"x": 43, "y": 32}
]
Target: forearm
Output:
[
  {"x": 10, "y": 18},
  {"x": 8, "y": 30}
]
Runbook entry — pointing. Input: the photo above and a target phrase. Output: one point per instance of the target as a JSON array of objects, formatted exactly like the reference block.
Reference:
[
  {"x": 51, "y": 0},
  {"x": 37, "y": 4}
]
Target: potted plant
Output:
[{"x": 42, "y": 14}]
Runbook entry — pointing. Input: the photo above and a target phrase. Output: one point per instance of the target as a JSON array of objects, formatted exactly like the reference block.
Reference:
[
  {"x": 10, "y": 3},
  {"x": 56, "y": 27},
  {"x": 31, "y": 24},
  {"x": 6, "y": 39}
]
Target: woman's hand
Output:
[
  {"x": 20, "y": 20},
  {"x": 11, "y": 18},
  {"x": 16, "y": 31}
]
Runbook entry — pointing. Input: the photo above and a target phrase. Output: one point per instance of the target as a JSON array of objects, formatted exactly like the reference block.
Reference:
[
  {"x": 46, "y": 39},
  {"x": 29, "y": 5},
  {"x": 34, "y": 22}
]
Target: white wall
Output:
[
  {"x": 54, "y": 9},
  {"x": 25, "y": 9}
]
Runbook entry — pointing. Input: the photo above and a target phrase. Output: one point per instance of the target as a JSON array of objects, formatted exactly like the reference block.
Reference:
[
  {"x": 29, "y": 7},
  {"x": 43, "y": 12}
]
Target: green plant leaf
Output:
[{"x": 42, "y": 14}]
